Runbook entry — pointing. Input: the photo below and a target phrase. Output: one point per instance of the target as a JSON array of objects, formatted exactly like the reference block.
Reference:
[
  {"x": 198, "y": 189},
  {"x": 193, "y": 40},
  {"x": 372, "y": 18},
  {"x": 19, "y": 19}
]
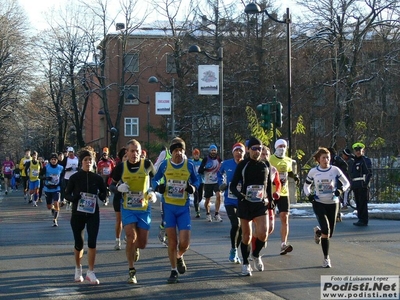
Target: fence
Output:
[{"x": 384, "y": 185}]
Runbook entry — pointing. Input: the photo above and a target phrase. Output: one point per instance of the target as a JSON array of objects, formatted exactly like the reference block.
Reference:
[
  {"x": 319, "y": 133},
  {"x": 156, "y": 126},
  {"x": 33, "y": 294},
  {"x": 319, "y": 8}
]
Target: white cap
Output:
[
  {"x": 70, "y": 149},
  {"x": 280, "y": 142}
]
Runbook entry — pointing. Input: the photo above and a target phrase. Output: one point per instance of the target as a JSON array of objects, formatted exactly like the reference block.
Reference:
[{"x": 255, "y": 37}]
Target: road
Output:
[{"x": 37, "y": 259}]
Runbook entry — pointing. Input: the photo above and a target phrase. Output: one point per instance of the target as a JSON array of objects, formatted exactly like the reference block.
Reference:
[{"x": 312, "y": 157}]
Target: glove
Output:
[
  {"x": 276, "y": 196},
  {"x": 161, "y": 188},
  {"x": 190, "y": 188},
  {"x": 311, "y": 198},
  {"x": 223, "y": 187},
  {"x": 338, "y": 192},
  {"x": 123, "y": 188},
  {"x": 151, "y": 196},
  {"x": 296, "y": 179},
  {"x": 68, "y": 169}
]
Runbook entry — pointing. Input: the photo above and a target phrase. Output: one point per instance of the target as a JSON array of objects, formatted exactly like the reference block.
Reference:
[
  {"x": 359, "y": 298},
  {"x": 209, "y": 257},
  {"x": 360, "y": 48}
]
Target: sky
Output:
[{"x": 35, "y": 9}]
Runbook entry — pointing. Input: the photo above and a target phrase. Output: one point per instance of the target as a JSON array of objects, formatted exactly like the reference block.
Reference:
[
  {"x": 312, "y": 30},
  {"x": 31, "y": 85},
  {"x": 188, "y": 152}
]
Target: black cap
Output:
[
  {"x": 347, "y": 152},
  {"x": 253, "y": 141}
]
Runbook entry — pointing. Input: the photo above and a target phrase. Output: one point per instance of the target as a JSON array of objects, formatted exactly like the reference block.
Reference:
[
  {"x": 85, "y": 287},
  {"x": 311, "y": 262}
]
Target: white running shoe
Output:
[
  {"x": 246, "y": 270},
  {"x": 117, "y": 245},
  {"x": 208, "y": 218},
  {"x": 78, "y": 274},
  {"x": 217, "y": 218},
  {"x": 91, "y": 277},
  {"x": 327, "y": 263},
  {"x": 317, "y": 235},
  {"x": 258, "y": 263}
]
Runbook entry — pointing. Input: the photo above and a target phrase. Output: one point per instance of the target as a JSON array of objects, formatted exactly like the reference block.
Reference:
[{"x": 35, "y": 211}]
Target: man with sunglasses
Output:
[
  {"x": 254, "y": 200},
  {"x": 361, "y": 173}
]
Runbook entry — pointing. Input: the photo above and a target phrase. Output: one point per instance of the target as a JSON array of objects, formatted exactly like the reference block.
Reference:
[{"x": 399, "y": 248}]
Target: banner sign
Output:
[
  {"x": 163, "y": 103},
  {"x": 208, "y": 79}
]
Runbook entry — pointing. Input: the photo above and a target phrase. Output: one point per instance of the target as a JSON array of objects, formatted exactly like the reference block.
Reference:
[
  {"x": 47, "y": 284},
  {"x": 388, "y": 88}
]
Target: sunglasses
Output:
[
  {"x": 357, "y": 148},
  {"x": 256, "y": 148}
]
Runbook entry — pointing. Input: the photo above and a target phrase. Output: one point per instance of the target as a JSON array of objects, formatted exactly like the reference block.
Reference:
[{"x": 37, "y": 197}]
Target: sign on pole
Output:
[
  {"x": 163, "y": 103},
  {"x": 208, "y": 79}
]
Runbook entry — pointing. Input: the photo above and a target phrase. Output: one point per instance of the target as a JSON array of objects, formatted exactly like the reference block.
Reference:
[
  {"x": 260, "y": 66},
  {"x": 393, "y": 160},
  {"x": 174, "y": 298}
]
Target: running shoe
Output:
[
  {"x": 317, "y": 235},
  {"x": 197, "y": 215},
  {"x": 258, "y": 264},
  {"x": 246, "y": 270},
  {"x": 91, "y": 277},
  {"x": 55, "y": 224},
  {"x": 137, "y": 255},
  {"x": 286, "y": 249},
  {"x": 6, "y": 192},
  {"x": 173, "y": 278},
  {"x": 40, "y": 200},
  {"x": 233, "y": 256},
  {"x": 208, "y": 218},
  {"x": 161, "y": 234},
  {"x": 132, "y": 276},
  {"x": 78, "y": 274},
  {"x": 34, "y": 204},
  {"x": 181, "y": 266},
  {"x": 326, "y": 263},
  {"x": 117, "y": 245},
  {"x": 217, "y": 218}
]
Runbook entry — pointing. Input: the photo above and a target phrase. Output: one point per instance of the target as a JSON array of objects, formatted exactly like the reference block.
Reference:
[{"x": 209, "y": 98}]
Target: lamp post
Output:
[
  {"x": 220, "y": 59},
  {"x": 154, "y": 79},
  {"x": 133, "y": 97},
  {"x": 253, "y": 8}
]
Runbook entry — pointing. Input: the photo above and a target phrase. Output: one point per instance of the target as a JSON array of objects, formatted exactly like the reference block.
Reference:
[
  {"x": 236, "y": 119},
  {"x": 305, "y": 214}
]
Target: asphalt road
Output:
[{"x": 37, "y": 259}]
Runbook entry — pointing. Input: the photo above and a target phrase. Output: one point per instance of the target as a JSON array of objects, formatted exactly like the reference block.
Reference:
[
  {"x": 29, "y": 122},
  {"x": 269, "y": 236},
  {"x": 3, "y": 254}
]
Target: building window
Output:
[
  {"x": 134, "y": 90},
  {"x": 171, "y": 66},
  {"x": 131, "y": 126},
  {"x": 132, "y": 62}
]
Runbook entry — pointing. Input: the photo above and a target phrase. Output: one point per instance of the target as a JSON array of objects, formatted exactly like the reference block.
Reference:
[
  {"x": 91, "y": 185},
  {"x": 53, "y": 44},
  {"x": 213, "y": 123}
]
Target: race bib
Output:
[
  {"x": 106, "y": 171},
  {"x": 176, "y": 188},
  {"x": 325, "y": 186},
  {"x": 255, "y": 193},
  {"x": 55, "y": 179},
  {"x": 35, "y": 173},
  {"x": 87, "y": 203},
  {"x": 134, "y": 200}
]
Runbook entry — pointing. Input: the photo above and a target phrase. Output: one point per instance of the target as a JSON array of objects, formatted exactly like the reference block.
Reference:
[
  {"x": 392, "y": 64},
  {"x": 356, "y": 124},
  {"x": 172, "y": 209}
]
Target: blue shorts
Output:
[
  {"x": 141, "y": 218},
  {"x": 175, "y": 215},
  {"x": 33, "y": 185}
]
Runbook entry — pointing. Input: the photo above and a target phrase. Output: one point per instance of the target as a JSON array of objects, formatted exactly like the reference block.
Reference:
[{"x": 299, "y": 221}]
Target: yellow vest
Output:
[
  {"x": 22, "y": 165},
  {"x": 284, "y": 166},
  {"x": 34, "y": 170},
  {"x": 138, "y": 183},
  {"x": 176, "y": 182}
]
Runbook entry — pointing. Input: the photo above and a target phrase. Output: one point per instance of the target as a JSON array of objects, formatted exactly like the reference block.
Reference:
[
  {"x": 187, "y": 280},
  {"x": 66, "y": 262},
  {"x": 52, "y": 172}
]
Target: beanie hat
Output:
[
  {"x": 53, "y": 155},
  {"x": 212, "y": 147},
  {"x": 347, "y": 152},
  {"x": 280, "y": 142},
  {"x": 196, "y": 151},
  {"x": 238, "y": 146},
  {"x": 253, "y": 141},
  {"x": 84, "y": 153}
]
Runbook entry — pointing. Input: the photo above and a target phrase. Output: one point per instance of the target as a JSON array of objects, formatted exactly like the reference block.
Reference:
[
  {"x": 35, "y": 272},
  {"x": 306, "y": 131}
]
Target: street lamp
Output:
[
  {"x": 220, "y": 59},
  {"x": 253, "y": 8},
  {"x": 132, "y": 97},
  {"x": 154, "y": 79}
]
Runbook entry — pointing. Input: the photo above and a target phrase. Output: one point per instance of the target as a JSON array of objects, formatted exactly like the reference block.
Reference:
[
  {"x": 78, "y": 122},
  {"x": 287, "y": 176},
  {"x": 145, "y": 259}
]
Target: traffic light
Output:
[
  {"x": 278, "y": 114},
  {"x": 265, "y": 109}
]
